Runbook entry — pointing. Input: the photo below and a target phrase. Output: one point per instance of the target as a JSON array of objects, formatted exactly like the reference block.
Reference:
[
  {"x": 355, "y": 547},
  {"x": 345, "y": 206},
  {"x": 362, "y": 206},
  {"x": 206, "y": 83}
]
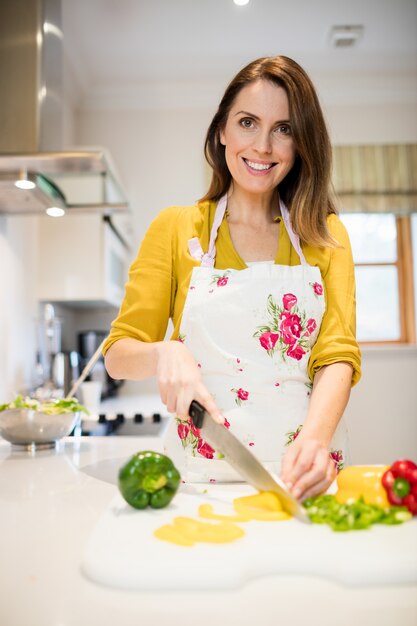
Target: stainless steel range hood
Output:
[{"x": 31, "y": 121}]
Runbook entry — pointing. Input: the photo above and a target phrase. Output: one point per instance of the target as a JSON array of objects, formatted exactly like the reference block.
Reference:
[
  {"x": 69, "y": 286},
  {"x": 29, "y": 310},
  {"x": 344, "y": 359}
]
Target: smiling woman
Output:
[{"x": 258, "y": 280}]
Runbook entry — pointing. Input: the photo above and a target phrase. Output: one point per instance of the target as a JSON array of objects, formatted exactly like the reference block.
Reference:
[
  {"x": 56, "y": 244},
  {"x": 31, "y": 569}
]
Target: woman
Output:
[{"x": 258, "y": 279}]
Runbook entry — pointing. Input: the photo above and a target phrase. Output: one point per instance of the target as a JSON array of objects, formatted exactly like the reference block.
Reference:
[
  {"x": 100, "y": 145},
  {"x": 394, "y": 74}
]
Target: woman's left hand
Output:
[{"x": 307, "y": 468}]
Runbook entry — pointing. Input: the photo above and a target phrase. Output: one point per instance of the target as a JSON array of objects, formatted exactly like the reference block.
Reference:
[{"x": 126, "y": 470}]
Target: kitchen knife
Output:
[{"x": 242, "y": 460}]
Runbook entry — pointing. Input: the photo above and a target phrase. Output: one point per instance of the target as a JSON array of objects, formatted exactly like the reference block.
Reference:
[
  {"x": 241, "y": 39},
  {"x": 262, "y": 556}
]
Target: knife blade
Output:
[{"x": 243, "y": 461}]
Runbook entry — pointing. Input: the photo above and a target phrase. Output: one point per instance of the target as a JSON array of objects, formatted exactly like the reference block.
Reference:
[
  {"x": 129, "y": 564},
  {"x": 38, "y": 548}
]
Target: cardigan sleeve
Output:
[
  {"x": 337, "y": 336},
  {"x": 150, "y": 290}
]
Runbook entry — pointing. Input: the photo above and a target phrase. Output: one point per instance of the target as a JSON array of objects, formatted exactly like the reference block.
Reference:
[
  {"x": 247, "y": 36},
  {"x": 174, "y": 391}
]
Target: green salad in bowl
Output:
[{"x": 30, "y": 422}]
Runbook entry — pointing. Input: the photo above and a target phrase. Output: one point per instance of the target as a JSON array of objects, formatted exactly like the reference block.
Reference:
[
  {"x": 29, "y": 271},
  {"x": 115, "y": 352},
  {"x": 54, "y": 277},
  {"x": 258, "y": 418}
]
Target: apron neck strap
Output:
[
  {"x": 295, "y": 240},
  {"x": 209, "y": 257}
]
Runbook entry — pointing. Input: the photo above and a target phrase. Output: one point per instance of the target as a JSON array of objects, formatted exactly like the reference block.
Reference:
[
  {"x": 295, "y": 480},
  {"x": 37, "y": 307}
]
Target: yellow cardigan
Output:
[{"x": 160, "y": 275}]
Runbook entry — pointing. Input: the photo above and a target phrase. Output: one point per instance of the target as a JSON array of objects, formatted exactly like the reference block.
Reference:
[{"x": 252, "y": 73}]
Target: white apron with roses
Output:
[{"x": 251, "y": 332}]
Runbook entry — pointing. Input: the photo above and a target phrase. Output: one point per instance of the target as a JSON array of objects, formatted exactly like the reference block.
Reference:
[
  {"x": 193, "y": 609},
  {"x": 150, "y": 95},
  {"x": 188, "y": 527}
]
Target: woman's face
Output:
[{"x": 259, "y": 146}]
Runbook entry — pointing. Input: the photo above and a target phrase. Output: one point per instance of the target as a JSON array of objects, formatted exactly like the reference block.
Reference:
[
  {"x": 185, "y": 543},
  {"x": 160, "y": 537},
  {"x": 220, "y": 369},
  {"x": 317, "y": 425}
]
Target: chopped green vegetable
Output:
[
  {"x": 51, "y": 407},
  {"x": 354, "y": 515}
]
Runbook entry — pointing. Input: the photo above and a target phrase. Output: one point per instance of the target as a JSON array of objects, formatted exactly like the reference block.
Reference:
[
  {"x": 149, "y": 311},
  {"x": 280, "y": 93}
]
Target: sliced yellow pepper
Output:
[
  {"x": 187, "y": 531},
  {"x": 206, "y": 511},
  {"x": 264, "y": 506}
]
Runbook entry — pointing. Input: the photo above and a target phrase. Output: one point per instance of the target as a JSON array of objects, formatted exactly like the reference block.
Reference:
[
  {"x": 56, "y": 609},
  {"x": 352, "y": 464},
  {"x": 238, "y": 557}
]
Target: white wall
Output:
[
  {"x": 18, "y": 307},
  {"x": 158, "y": 155}
]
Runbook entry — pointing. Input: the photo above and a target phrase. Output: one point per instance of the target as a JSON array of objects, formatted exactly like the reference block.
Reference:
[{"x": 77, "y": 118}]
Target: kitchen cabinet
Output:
[{"x": 83, "y": 260}]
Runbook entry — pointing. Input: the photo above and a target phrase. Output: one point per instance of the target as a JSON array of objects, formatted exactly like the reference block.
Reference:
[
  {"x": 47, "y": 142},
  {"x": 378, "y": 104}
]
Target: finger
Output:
[
  {"x": 171, "y": 400},
  {"x": 184, "y": 399},
  {"x": 287, "y": 464},
  {"x": 316, "y": 473},
  {"x": 302, "y": 461},
  {"x": 321, "y": 486},
  {"x": 207, "y": 400}
]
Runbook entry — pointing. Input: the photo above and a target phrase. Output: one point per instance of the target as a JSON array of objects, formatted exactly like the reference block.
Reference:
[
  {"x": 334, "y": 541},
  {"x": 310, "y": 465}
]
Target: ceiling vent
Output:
[{"x": 345, "y": 36}]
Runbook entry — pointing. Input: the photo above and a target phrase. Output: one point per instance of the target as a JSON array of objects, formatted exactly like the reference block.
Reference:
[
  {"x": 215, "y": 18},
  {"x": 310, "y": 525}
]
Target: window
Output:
[{"x": 382, "y": 252}]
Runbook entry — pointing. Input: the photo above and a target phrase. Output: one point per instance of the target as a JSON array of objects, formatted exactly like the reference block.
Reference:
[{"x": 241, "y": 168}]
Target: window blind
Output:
[{"x": 376, "y": 178}]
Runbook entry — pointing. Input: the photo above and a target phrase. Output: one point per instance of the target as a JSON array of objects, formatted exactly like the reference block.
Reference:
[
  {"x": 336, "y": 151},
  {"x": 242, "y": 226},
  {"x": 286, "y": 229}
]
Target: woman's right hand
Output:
[{"x": 180, "y": 381}]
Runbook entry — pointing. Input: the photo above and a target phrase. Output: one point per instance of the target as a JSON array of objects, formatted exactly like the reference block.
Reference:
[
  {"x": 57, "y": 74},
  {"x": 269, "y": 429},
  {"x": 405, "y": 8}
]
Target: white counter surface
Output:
[{"x": 50, "y": 502}]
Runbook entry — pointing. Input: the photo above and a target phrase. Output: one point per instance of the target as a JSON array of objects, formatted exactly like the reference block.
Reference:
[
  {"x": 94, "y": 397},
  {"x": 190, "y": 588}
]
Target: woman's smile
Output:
[{"x": 258, "y": 168}]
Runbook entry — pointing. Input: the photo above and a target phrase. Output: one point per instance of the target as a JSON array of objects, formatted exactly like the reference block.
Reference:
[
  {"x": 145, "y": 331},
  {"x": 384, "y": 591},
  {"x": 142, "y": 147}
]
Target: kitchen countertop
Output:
[{"x": 50, "y": 503}]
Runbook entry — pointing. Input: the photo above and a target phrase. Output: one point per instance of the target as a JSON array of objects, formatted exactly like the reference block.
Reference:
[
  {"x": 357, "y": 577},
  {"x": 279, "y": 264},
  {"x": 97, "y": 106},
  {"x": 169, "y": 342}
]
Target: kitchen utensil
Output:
[
  {"x": 88, "y": 342},
  {"x": 87, "y": 369},
  {"x": 90, "y": 391},
  {"x": 34, "y": 429},
  {"x": 243, "y": 460},
  {"x": 123, "y": 553},
  {"x": 49, "y": 333}
]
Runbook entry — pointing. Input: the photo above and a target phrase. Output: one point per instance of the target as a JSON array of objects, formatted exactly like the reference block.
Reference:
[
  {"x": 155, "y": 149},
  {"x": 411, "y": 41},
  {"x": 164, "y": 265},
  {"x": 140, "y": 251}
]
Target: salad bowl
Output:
[{"x": 29, "y": 423}]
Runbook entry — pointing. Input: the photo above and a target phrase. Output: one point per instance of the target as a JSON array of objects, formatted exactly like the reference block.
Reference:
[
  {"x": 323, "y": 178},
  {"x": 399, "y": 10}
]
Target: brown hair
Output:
[{"x": 307, "y": 189}]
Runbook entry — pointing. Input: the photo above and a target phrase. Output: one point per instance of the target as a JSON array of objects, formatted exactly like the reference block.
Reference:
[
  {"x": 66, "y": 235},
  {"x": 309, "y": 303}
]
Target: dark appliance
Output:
[{"x": 88, "y": 342}]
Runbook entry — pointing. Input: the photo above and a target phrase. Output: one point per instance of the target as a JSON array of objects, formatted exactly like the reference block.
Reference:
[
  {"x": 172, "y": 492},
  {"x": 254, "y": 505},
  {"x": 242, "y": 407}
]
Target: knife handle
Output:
[{"x": 197, "y": 412}]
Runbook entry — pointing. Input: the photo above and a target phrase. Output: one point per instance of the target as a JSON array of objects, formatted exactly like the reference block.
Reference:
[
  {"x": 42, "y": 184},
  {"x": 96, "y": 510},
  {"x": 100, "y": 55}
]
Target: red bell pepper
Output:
[{"x": 400, "y": 482}]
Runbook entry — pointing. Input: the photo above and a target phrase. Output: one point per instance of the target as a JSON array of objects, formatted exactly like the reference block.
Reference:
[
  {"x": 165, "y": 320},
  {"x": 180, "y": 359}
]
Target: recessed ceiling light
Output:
[
  {"x": 345, "y": 36},
  {"x": 23, "y": 183},
  {"x": 241, "y": 3},
  {"x": 55, "y": 211}
]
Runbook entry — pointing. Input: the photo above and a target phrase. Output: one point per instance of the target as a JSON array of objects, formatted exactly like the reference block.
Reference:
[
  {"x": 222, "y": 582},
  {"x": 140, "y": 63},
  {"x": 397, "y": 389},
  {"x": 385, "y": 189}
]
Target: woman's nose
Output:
[{"x": 263, "y": 142}]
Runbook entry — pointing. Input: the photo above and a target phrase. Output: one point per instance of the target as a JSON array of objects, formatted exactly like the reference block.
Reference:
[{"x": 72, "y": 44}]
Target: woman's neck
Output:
[{"x": 249, "y": 209}]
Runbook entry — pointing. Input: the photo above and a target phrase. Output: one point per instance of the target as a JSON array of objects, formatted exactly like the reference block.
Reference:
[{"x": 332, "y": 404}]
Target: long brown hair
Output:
[{"x": 307, "y": 189}]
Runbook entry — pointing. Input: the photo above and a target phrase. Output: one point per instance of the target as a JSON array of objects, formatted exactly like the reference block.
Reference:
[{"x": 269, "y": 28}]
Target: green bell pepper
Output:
[{"x": 148, "y": 479}]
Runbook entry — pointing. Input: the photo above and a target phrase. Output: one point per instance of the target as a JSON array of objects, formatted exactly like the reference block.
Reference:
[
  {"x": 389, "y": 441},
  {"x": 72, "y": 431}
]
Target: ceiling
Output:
[{"x": 119, "y": 45}]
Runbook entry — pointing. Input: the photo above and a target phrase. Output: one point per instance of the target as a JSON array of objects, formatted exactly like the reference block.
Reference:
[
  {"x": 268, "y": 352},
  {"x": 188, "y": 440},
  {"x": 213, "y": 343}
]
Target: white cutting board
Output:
[{"x": 123, "y": 553}]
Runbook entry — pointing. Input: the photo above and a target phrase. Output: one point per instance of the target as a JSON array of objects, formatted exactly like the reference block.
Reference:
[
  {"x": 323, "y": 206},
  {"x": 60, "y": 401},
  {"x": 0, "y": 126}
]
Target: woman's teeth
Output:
[{"x": 259, "y": 166}]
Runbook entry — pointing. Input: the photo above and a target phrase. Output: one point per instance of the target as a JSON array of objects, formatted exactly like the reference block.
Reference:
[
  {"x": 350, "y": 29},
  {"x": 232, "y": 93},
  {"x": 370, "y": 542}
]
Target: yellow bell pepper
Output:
[{"x": 355, "y": 481}]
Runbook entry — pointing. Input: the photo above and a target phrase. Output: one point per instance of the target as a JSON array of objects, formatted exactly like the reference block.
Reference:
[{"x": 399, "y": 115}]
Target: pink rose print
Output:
[
  {"x": 290, "y": 328},
  {"x": 204, "y": 449},
  {"x": 337, "y": 458},
  {"x": 220, "y": 280},
  {"x": 287, "y": 329},
  {"x": 268, "y": 340},
  {"x": 194, "y": 429},
  {"x": 183, "y": 430},
  {"x": 289, "y": 300},
  {"x": 181, "y": 337},
  {"x": 318, "y": 288},
  {"x": 241, "y": 395},
  {"x": 226, "y": 423},
  {"x": 296, "y": 352},
  {"x": 190, "y": 437},
  {"x": 251, "y": 443},
  {"x": 293, "y": 434},
  {"x": 311, "y": 326}
]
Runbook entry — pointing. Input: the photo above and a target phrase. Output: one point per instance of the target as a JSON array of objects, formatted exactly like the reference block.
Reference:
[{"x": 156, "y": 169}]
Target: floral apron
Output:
[{"x": 251, "y": 332}]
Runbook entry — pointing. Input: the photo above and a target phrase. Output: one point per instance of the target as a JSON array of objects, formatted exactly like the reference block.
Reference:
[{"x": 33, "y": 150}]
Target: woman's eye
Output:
[
  {"x": 246, "y": 122},
  {"x": 284, "y": 129}
]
